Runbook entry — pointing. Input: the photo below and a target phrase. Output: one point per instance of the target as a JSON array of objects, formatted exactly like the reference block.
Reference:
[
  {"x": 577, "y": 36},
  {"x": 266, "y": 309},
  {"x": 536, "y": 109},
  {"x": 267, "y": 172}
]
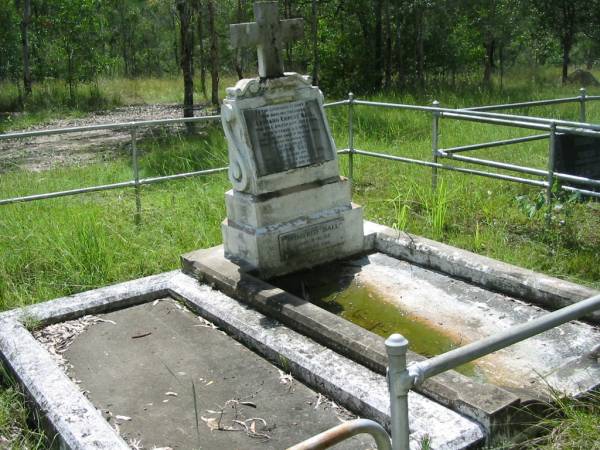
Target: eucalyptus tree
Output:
[{"x": 565, "y": 19}]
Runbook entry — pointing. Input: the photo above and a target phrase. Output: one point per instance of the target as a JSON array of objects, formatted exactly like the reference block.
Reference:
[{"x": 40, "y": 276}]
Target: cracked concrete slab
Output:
[{"x": 78, "y": 425}]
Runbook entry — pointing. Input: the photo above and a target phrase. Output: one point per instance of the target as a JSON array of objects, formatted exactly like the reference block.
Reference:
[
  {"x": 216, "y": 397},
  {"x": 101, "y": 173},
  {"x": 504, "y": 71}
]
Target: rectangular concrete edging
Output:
[
  {"x": 497, "y": 405},
  {"x": 543, "y": 290},
  {"x": 70, "y": 417},
  {"x": 78, "y": 425},
  {"x": 350, "y": 384},
  {"x": 489, "y": 405}
]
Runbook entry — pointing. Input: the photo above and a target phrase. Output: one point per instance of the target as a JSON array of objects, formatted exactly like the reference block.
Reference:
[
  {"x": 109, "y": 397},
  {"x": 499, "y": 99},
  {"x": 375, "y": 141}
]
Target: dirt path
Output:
[{"x": 47, "y": 152}]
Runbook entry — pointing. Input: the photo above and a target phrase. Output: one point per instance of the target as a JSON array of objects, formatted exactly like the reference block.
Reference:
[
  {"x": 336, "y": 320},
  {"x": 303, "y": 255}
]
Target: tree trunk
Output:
[
  {"x": 420, "y": 48},
  {"x": 378, "y": 54},
  {"x": 187, "y": 58},
  {"x": 25, "y": 44},
  {"x": 289, "y": 56},
  {"x": 566, "y": 45},
  {"x": 237, "y": 56},
  {"x": 488, "y": 62},
  {"x": 175, "y": 40},
  {"x": 124, "y": 38},
  {"x": 70, "y": 78},
  {"x": 315, "y": 43},
  {"x": 201, "y": 56},
  {"x": 388, "y": 46},
  {"x": 501, "y": 67},
  {"x": 214, "y": 53},
  {"x": 398, "y": 53}
]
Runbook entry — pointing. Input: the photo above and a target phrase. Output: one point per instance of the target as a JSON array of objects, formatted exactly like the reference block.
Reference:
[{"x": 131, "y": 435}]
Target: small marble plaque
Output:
[
  {"x": 288, "y": 136},
  {"x": 308, "y": 240}
]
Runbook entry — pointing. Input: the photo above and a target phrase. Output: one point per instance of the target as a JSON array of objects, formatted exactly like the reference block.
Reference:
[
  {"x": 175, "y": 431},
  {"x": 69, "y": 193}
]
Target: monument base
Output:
[
  {"x": 301, "y": 243},
  {"x": 291, "y": 229}
]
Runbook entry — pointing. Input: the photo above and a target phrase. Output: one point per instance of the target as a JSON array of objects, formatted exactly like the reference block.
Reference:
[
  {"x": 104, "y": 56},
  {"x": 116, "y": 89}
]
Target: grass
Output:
[
  {"x": 572, "y": 424},
  {"x": 18, "y": 430},
  {"x": 62, "y": 246}
]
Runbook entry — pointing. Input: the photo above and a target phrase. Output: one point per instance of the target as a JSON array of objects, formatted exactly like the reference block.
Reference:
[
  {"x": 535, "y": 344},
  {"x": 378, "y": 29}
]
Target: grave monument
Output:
[{"x": 289, "y": 208}]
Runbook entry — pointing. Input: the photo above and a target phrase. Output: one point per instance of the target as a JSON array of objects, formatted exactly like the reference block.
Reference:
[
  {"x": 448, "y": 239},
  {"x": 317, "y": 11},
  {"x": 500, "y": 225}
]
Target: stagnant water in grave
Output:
[{"x": 339, "y": 292}]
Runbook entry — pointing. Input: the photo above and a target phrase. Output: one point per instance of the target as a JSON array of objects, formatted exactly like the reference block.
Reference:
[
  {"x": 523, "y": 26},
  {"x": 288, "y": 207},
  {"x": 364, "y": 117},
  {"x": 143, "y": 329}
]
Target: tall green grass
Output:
[{"x": 66, "y": 245}]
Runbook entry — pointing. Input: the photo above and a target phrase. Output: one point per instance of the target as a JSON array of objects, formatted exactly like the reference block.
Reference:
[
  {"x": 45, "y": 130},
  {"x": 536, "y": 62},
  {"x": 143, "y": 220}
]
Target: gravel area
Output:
[{"x": 48, "y": 152}]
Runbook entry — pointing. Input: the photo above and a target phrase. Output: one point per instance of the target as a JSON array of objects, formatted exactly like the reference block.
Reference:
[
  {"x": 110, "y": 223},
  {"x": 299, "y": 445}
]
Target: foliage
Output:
[{"x": 363, "y": 45}]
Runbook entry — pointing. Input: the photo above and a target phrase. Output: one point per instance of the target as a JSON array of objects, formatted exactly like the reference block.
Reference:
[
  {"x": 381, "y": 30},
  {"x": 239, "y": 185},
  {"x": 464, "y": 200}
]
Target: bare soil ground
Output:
[{"x": 46, "y": 152}]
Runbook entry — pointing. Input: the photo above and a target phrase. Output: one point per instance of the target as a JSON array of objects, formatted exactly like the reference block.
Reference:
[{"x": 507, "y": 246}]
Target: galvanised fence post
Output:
[
  {"x": 136, "y": 177},
  {"x": 351, "y": 137},
  {"x": 399, "y": 383},
  {"x": 582, "y": 95},
  {"x": 435, "y": 133},
  {"x": 551, "y": 165}
]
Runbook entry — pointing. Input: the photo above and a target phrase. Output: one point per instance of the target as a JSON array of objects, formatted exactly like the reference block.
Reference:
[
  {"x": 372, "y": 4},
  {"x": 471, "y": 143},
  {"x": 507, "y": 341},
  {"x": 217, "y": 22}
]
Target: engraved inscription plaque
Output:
[
  {"x": 310, "y": 239},
  {"x": 288, "y": 136},
  {"x": 578, "y": 155}
]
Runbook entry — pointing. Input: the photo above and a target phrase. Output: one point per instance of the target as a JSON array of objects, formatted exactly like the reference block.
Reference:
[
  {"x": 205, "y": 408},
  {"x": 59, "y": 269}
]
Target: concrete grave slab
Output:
[
  {"x": 566, "y": 366},
  {"x": 78, "y": 425},
  {"x": 147, "y": 363}
]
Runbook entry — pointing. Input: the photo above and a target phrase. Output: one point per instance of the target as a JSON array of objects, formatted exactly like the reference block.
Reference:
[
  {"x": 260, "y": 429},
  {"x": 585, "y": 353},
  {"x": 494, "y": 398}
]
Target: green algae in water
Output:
[{"x": 371, "y": 311}]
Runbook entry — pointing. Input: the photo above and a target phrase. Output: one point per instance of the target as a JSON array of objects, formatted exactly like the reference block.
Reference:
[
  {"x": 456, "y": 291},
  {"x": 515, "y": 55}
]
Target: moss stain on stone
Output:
[{"x": 345, "y": 296}]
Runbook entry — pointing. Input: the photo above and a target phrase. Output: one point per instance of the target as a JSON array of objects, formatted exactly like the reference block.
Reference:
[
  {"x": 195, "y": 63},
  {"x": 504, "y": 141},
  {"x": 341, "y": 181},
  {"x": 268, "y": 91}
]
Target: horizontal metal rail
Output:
[
  {"x": 466, "y": 148},
  {"x": 106, "y": 187},
  {"x": 518, "y": 333},
  {"x": 521, "y": 169},
  {"x": 107, "y": 126},
  {"x": 581, "y": 191},
  {"x": 402, "y": 379},
  {"x": 526, "y": 104},
  {"x": 493, "y": 118},
  {"x": 344, "y": 431},
  {"x": 566, "y": 123},
  {"x": 523, "y": 124},
  {"x": 402, "y": 106},
  {"x": 125, "y": 125},
  {"x": 496, "y": 164},
  {"x": 338, "y": 103},
  {"x": 452, "y": 168}
]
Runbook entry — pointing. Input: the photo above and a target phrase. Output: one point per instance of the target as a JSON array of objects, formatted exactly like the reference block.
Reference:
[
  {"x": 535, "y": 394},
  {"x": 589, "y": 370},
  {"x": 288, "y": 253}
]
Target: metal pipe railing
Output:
[
  {"x": 496, "y": 164},
  {"x": 452, "y": 168},
  {"x": 581, "y": 191},
  {"x": 351, "y": 137},
  {"x": 435, "y": 141},
  {"x": 521, "y": 169},
  {"x": 106, "y": 187},
  {"x": 107, "y": 126},
  {"x": 520, "y": 121},
  {"x": 402, "y": 378},
  {"x": 469, "y": 114},
  {"x": 466, "y": 148},
  {"x": 524, "y": 104},
  {"x": 475, "y": 350},
  {"x": 567, "y": 123},
  {"x": 344, "y": 431}
]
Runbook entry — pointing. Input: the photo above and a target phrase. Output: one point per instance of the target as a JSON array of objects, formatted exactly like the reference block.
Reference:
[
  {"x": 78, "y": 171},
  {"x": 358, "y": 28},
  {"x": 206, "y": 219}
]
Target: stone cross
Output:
[{"x": 269, "y": 34}]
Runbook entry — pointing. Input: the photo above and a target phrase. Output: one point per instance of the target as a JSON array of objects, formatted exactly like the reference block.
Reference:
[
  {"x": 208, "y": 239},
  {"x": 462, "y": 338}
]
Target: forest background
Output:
[{"x": 359, "y": 45}]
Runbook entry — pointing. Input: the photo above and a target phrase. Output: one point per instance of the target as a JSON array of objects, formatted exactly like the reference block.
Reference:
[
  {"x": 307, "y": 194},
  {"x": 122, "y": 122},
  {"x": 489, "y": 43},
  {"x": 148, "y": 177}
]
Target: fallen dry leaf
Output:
[{"x": 211, "y": 422}]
